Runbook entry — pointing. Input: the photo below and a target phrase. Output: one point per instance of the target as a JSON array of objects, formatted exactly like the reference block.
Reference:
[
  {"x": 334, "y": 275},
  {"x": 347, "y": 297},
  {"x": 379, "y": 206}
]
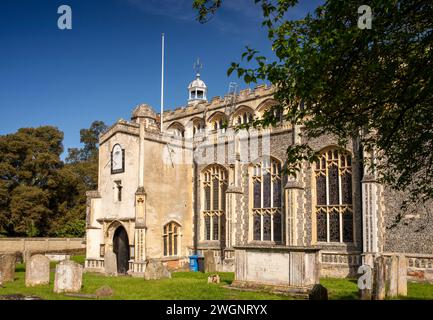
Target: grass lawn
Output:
[{"x": 185, "y": 286}]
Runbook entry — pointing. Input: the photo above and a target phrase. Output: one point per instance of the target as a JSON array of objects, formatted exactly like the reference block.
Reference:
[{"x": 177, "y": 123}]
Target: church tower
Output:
[{"x": 197, "y": 89}]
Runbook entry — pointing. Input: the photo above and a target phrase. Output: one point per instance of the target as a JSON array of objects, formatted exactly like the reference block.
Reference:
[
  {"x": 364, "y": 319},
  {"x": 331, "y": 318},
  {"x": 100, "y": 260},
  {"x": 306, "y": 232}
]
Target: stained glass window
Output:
[
  {"x": 334, "y": 227},
  {"x": 321, "y": 227},
  {"x": 257, "y": 227},
  {"x": 321, "y": 190},
  {"x": 346, "y": 188},
  {"x": 215, "y": 227},
  {"x": 277, "y": 227},
  {"x": 266, "y": 193},
  {"x": 266, "y": 190},
  {"x": 207, "y": 227},
  {"x": 277, "y": 193},
  {"x": 267, "y": 227},
  {"x": 214, "y": 204},
  {"x": 348, "y": 227},
  {"x": 171, "y": 238},
  {"x": 216, "y": 190},
  {"x": 257, "y": 194},
  {"x": 334, "y": 211},
  {"x": 223, "y": 230},
  {"x": 207, "y": 197},
  {"x": 334, "y": 189}
]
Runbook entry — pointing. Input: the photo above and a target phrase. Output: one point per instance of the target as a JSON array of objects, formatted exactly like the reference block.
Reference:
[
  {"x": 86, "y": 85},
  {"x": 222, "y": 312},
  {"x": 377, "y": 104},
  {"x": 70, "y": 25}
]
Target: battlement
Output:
[{"x": 219, "y": 102}]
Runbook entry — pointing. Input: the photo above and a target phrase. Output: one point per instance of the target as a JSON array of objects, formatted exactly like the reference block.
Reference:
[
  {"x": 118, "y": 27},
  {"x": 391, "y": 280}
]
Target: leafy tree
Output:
[
  {"x": 29, "y": 162},
  {"x": 336, "y": 78},
  {"x": 79, "y": 175},
  {"x": 90, "y": 139},
  {"x": 39, "y": 194},
  {"x": 29, "y": 211}
]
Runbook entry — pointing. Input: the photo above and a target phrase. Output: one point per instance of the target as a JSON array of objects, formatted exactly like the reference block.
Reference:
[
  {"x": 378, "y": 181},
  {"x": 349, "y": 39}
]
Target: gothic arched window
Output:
[
  {"x": 171, "y": 239},
  {"x": 214, "y": 195},
  {"x": 334, "y": 212},
  {"x": 177, "y": 130},
  {"x": 266, "y": 198},
  {"x": 198, "y": 127},
  {"x": 218, "y": 121},
  {"x": 117, "y": 159}
]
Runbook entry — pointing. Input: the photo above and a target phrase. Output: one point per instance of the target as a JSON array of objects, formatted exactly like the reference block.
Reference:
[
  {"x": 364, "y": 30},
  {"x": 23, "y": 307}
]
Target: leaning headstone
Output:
[
  {"x": 209, "y": 261},
  {"x": 155, "y": 270},
  {"x": 392, "y": 278},
  {"x": 110, "y": 263},
  {"x": 379, "y": 278},
  {"x": 7, "y": 267},
  {"x": 365, "y": 282},
  {"x": 214, "y": 278},
  {"x": 402, "y": 276},
  {"x": 318, "y": 292},
  {"x": 68, "y": 277},
  {"x": 37, "y": 271}
]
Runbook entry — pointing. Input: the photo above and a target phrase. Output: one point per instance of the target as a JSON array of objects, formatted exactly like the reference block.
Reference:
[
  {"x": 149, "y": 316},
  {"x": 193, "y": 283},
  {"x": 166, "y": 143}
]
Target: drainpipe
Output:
[{"x": 196, "y": 215}]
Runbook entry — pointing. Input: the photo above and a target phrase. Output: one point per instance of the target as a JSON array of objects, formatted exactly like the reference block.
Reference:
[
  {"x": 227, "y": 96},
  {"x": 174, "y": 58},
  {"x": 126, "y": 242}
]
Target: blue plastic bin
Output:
[{"x": 193, "y": 263}]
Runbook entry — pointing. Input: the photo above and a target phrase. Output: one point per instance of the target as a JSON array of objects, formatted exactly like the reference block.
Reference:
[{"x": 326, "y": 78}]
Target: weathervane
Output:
[{"x": 198, "y": 66}]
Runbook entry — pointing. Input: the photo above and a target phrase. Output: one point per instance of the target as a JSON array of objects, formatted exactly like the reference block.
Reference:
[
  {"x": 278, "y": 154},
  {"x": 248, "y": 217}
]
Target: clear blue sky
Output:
[{"x": 110, "y": 61}]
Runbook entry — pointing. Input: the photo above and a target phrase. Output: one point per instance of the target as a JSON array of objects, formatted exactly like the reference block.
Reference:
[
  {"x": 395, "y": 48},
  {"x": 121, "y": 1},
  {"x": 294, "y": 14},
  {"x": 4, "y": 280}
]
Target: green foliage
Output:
[
  {"x": 90, "y": 139},
  {"x": 188, "y": 286},
  {"x": 39, "y": 194},
  {"x": 29, "y": 210},
  {"x": 335, "y": 78}
]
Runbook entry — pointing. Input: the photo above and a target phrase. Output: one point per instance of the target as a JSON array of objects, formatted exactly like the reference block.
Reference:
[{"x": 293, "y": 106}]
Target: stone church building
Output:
[{"x": 196, "y": 185}]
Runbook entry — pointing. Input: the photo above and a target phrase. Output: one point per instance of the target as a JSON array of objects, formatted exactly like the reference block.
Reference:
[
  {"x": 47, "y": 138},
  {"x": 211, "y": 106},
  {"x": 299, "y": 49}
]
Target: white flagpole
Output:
[{"x": 162, "y": 84}]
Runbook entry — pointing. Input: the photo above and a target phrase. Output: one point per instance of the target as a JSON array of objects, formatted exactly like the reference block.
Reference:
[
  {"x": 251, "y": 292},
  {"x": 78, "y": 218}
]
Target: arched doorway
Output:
[{"x": 121, "y": 249}]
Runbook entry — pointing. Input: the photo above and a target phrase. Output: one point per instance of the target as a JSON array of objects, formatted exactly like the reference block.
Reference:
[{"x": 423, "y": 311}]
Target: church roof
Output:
[{"x": 143, "y": 111}]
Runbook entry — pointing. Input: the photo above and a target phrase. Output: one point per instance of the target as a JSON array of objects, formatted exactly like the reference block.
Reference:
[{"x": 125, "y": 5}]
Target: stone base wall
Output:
[
  {"x": 181, "y": 264},
  {"x": 94, "y": 265},
  {"x": 42, "y": 245},
  {"x": 222, "y": 264},
  {"x": 345, "y": 265},
  {"x": 339, "y": 265},
  {"x": 419, "y": 266}
]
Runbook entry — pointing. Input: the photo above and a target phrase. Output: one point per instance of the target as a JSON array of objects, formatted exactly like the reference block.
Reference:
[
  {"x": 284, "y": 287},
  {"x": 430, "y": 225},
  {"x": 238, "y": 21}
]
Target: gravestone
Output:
[
  {"x": 155, "y": 270},
  {"x": 318, "y": 292},
  {"x": 57, "y": 257},
  {"x": 68, "y": 277},
  {"x": 110, "y": 262},
  {"x": 393, "y": 277},
  {"x": 18, "y": 297},
  {"x": 365, "y": 282},
  {"x": 379, "y": 278},
  {"x": 26, "y": 256},
  {"x": 402, "y": 276},
  {"x": 214, "y": 278},
  {"x": 7, "y": 267},
  {"x": 104, "y": 291},
  {"x": 37, "y": 271},
  {"x": 209, "y": 261}
]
